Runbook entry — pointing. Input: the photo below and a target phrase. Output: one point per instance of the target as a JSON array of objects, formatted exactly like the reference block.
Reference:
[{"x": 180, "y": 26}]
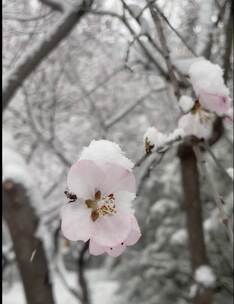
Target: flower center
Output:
[{"x": 101, "y": 205}]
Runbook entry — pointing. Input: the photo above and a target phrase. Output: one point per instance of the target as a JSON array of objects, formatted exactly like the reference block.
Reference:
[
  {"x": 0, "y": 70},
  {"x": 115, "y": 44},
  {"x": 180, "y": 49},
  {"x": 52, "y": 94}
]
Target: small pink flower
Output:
[
  {"x": 197, "y": 123},
  {"x": 216, "y": 103},
  {"x": 208, "y": 84},
  {"x": 103, "y": 212}
]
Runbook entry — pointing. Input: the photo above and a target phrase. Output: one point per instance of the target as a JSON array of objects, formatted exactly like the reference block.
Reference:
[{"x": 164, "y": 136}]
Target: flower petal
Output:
[
  {"x": 215, "y": 103},
  {"x": 111, "y": 230},
  {"x": 76, "y": 222},
  {"x": 134, "y": 234},
  {"x": 84, "y": 177},
  {"x": 95, "y": 249},
  {"x": 117, "y": 179},
  {"x": 123, "y": 201},
  {"x": 116, "y": 251}
]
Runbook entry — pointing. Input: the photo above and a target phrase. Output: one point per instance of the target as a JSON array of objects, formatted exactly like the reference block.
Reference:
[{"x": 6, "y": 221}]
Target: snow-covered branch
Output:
[{"x": 29, "y": 62}]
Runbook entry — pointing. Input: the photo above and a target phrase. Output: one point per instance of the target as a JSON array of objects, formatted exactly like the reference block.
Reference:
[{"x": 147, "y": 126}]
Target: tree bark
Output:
[
  {"x": 23, "y": 223},
  {"x": 193, "y": 208},
  {"x": 81, "y": 275}
]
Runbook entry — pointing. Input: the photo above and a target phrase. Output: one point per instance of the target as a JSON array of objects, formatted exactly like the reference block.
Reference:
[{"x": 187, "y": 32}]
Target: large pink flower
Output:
[{"x": 102, "y": 212}]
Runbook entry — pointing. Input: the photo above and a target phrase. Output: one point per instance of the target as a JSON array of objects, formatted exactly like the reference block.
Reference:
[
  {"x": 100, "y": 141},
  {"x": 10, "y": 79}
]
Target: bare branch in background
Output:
[
  {"x": 29, "y": 62},
  {"x": 175, "y": 31},
  {"x": 226, "y": 220},
  {"x": 166, "y": 50}
]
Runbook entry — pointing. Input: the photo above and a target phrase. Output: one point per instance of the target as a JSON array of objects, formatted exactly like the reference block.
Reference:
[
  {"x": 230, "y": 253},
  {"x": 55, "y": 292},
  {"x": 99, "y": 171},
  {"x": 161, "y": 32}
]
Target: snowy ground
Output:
[{"x": 102, "y": 290}]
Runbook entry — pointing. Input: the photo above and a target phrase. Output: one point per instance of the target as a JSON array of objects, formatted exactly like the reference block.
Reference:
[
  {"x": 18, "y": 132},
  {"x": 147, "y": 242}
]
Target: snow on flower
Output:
[
  {"x": 99, "y": 150},
  {"x": 205, "y": 276},
  {"x": 208, "y": 84},
  {"x": 198, "y": 122},
  {"x": 186, "y": 103},
  {"x": 104, "y": 185}
]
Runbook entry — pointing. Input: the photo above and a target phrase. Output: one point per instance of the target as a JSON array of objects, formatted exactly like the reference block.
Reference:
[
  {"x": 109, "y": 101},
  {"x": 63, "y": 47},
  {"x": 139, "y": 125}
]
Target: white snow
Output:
[
  {"x": 14, "y": 166},
  {"x": 207, "y": 77},
  {"x": 161, "y": 140},
  {"x": 186, "y": 103},
  {"x": 193, "y": 291},
  {"x": 155, "y": 138},
  {"x": 161, "y": 206},
  {"x": 104, "y": 150},
  {"x": 179, "y": 237},
  {"x": 102, "y": 290},
  {"x": 205, "y": 276},
  {"x": 34, "y": 5},
  {"x": 183, "y": 64},
  {"x": 230, "y": 172},
  {"x": 197, "y": 124}
]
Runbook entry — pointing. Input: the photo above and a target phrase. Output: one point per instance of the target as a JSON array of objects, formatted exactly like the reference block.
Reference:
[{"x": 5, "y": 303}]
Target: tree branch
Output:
[
  {"x": 166, "y": 50},
  {"x": 41, "y": 50}
]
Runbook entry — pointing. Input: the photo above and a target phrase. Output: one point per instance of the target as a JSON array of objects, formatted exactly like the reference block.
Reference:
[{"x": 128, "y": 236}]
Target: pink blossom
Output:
[
  {"x": 102, "y": 213},
  {"x": 219, "y": 104},
  {"x": 208, "y": 84},
  {"x": 198, "y": 124}
]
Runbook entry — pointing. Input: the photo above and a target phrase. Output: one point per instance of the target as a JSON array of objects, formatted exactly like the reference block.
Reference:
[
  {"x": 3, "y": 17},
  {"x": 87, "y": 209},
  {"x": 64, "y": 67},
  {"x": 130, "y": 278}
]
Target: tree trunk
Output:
[
  {"x": 81, "y": 275},
  {"x": 193, "y": 207},
  {"x": 22, "y": 223}
]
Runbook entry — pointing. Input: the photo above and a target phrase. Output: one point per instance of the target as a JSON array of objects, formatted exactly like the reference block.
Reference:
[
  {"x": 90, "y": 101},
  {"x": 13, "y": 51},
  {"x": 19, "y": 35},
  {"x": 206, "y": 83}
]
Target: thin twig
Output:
[
  {"x": 226, "y": 220},
  {"x": 174, "y": 30},
  {"x": 166, "y": 50},
  {"x": 217, "y": 162}
]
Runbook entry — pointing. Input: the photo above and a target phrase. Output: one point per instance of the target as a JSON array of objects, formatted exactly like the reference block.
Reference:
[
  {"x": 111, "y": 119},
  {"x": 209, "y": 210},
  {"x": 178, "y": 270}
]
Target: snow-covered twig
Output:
[{"x": 226, "y": 220}]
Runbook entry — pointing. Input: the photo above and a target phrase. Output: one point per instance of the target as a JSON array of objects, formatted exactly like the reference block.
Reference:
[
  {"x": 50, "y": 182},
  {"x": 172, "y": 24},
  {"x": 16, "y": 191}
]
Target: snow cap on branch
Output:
[{"x": 155, "y": 140}]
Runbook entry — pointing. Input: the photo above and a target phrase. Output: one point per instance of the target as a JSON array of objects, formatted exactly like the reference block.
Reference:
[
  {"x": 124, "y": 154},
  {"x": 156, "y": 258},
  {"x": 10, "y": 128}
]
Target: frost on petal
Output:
[
  {"x": 134, "y": 234},
  {"x": 84, "y": 178},
  {"x": 192, "y": 124},
  {"x": 107, "y": 151},
  {"x": 76, "y": 222},
  {"x": 95, "y": 249},
  {"x": 116, "y": 179},
  {"x": 116, "y": 251},
  {"x": 186, "y": 103},
  {"x": 111, "y": 230}
]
